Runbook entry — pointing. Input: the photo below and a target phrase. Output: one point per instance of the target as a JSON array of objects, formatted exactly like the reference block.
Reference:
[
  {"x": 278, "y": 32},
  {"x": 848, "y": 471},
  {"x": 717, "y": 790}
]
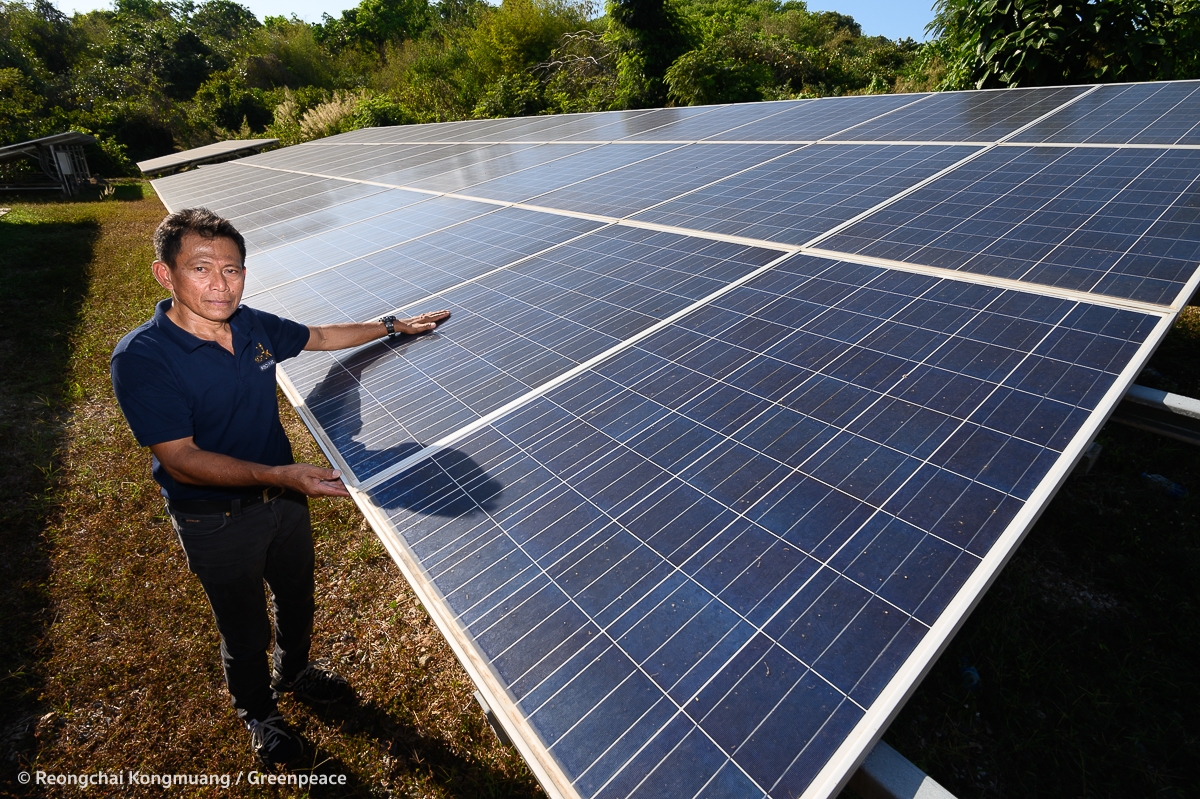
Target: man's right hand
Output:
[
  {"x": 312, "y": 481},
  {"x": 189, "y": 464}
]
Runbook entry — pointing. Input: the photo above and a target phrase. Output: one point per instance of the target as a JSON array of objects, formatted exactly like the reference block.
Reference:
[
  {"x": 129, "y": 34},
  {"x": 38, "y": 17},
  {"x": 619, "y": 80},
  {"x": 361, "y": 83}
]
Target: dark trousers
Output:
[{"x": 233, "y": 554}]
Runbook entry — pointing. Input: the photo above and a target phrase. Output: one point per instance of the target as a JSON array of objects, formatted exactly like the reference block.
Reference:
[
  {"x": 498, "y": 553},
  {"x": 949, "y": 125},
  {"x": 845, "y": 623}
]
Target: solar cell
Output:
[
  {"x": 304, "y": 197},
  {"x": 1115, "y": 222},
  {"x": 500, "y": 129},
  {"x": 461, "y": 130},
  {"x": 255, "y": 197},
  {"x": 311, "y": 196},
  {"x": 963, "y": 116},
  {"x": 1132, "y": 113},
  {"x": 804, "y": 193},
  {"x": 699, "y": 563}
]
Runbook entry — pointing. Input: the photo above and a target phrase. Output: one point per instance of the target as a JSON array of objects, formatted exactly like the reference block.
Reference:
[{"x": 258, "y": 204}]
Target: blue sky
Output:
[{"x": 892, "y": 18}]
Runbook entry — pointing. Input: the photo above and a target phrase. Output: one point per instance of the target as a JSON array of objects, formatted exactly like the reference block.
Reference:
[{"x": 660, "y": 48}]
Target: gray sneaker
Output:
[
  {"x": 317, "y": 684},
  {"x": 273, "y": 741}
]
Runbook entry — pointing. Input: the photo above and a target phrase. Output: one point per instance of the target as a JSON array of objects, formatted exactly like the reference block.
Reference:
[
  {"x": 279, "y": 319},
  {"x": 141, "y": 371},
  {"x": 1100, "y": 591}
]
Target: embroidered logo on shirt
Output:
[{"x": 263, "y": 358}]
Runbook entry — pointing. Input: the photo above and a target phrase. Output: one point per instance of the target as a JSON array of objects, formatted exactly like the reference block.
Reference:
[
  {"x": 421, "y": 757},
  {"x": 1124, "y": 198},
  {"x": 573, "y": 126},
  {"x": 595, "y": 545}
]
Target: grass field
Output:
[{"x": 1086, "y": 647}]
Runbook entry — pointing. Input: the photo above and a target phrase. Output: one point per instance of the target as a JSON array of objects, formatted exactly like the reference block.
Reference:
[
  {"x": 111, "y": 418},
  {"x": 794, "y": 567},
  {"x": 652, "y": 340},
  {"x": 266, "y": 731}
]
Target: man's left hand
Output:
[{"x": 422, "y": 322}]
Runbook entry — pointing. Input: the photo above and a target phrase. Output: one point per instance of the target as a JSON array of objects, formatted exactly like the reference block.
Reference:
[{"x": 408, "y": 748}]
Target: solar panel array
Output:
[{"x": 741, "y": 408}]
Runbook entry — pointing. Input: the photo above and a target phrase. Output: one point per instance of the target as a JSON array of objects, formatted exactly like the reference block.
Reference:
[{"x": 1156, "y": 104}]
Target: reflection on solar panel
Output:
[
  {"x": 741, "y": 408},
  {"x": 1133, "y": 113}
]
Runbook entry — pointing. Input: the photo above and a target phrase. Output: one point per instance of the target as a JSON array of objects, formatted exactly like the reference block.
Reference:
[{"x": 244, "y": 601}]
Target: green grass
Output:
[{"x": 1087, "y": 644}]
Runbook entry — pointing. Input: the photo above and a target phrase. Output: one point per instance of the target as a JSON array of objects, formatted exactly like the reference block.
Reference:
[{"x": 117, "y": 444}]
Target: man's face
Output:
[{"x": 208, "y": 277}]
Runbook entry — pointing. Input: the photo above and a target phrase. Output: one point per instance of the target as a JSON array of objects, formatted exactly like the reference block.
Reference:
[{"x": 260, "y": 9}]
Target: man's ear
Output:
[{"x": 162, "y": 273}]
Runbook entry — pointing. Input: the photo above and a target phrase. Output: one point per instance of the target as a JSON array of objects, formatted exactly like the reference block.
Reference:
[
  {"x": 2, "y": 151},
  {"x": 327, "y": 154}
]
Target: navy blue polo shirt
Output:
[{"x": 171, "y": 385}]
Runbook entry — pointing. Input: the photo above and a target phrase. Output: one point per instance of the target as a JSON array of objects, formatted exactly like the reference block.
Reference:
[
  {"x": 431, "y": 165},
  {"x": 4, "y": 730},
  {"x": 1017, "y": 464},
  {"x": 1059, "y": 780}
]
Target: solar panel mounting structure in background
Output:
[
  {"x": 209, "y": 153},
  {"x": 741, "y": 409}
]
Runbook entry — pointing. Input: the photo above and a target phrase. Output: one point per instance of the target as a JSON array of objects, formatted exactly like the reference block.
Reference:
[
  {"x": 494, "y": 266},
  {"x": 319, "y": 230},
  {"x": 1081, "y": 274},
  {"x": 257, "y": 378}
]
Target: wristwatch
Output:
[{"x": 390, "y": 323}]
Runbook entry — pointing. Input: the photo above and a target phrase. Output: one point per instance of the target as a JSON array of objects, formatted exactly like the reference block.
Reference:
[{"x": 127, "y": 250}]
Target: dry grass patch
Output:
[{"x": 120, "y": 667}]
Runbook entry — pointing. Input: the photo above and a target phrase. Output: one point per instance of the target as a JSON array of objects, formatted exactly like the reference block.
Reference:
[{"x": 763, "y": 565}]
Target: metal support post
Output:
[
  {"x": 1161, "y": 412},
  {"x": 887, "y": 774}
]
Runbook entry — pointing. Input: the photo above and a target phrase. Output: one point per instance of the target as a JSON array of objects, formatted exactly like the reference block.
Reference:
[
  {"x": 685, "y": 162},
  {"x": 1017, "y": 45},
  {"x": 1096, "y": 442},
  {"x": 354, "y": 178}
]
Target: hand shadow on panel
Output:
[
  {"x": 340, "y": 395},
  {"x": 437, "y": 490}
]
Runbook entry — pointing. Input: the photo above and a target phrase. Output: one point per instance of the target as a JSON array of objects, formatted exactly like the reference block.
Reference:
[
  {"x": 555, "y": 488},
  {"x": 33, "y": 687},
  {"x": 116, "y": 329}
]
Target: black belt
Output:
[{"x": 230, "y": 507}]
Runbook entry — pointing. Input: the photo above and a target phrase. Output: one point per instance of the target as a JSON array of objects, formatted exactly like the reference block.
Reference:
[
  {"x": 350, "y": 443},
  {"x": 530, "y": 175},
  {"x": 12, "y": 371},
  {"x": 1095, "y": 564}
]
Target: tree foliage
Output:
[
  {"x": 652, "y": 34},
  {"x": 994, "y": 43},
  {"x": 151, "y": 76}
]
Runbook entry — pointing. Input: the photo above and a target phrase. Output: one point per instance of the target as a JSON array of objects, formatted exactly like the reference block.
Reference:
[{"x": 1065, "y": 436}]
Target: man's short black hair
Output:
[{"x": 168, "y": 239}]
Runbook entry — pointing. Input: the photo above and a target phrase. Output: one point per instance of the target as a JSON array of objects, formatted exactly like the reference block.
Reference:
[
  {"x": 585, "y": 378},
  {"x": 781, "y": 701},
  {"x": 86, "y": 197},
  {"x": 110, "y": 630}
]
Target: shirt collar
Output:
[{"x": 240, "y": 323}]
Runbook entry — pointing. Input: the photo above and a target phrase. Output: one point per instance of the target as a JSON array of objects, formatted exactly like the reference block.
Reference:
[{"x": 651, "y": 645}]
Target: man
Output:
[{"x": 197, "y": 386}]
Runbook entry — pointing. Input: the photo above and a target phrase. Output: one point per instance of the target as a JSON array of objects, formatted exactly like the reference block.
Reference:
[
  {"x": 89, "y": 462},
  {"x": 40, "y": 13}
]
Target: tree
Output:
[
  {"x": 994, "y": 43},
  {"x": 736, "y": 67},
  {"x": 372, "y": 23},
  {"x": 20, "y": 107},
  {"x": 224, "y": 19},
  {"x": 522, "y": 33},
  {"x": 650, "y": 35},
  {"x": 751, "y": 50}
]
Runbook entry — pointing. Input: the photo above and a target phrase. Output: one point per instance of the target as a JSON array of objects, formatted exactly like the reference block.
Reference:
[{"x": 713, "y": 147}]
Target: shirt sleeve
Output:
[
  {"x": 153, "y": 403},
  {"x": 288, "y": 337}
]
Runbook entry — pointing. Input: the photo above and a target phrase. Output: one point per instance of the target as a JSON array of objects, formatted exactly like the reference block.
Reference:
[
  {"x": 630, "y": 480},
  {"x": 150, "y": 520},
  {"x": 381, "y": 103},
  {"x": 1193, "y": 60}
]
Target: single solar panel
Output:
[
  {"x": 582, "y": 166},
  {"x": 1120, "y": 222},
  {"x": 806, "y": 192},
  {"x": 725, "y": 438},
  {"x": 198, "y": 155},
  {"x": 359, "y": 206},
  {"x": 984, "y": 116},
  {"x": 605, "y": 128},
  {"x": 342, "y": 245},
  {"x": 1133, "y": 113},
  {"x": 627, "y": 190},
  {"x": 817, "y": 119},
  {"x": 716, "y": 121}
]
